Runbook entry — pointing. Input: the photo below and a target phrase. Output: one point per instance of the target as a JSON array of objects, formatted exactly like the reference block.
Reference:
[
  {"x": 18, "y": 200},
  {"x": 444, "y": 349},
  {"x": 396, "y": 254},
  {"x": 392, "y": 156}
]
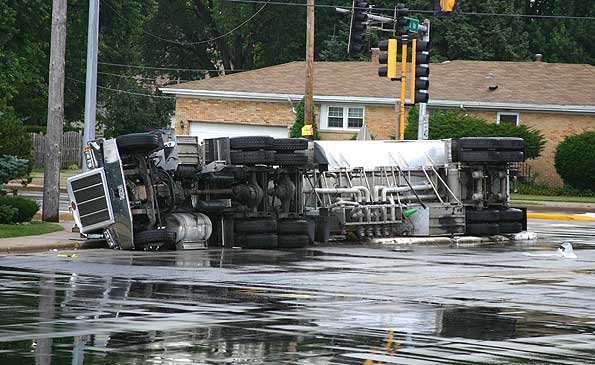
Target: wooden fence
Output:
[{"x": 72, "y": 149}]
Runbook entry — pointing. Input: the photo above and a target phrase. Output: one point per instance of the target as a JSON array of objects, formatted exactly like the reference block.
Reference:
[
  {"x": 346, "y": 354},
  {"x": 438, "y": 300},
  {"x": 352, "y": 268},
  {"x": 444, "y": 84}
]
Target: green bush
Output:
[
  {"x": 14, "y": 140},
  {"x": 546, "y": 190},
  {"x": 296, "y": 128},
  {"x": 454, "y": 124},
  {"x": 575, "y": 161},
  {"x": 7, "y": 214},
  {"x": 36, "y": 129},
  {"x": 11, "y": 168},
  {"x": 26, "y": 208}
]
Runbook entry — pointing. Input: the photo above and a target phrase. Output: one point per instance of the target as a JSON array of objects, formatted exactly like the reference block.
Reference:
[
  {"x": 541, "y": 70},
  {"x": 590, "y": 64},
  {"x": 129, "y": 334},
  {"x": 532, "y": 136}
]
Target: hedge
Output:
[
  {"x": 575, "y": 161},
  {"x": 26, "y": 208},
  {"x": 455, "y": 124}
]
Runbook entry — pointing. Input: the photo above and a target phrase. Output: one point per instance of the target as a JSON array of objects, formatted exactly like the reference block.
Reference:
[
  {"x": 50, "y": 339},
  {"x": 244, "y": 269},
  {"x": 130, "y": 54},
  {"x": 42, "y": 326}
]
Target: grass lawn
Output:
[
  {"x": 28, "y": 229},
  {"x": 572, "y": 199}
]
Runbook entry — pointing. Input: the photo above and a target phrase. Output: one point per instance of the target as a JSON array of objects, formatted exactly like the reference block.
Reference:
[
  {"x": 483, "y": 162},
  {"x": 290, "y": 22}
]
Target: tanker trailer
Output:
[{"x": 151, "y": 191}]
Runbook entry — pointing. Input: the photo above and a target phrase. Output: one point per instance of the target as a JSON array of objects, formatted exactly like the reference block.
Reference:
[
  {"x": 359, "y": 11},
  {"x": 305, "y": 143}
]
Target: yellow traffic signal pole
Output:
[
  {"x": 403, "y": 91},
  {"x": 412, "y": 82}
]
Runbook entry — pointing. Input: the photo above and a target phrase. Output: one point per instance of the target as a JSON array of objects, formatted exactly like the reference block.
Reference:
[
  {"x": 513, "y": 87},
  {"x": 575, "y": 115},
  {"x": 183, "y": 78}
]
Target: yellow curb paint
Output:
[{"x": 560, "y": 217}]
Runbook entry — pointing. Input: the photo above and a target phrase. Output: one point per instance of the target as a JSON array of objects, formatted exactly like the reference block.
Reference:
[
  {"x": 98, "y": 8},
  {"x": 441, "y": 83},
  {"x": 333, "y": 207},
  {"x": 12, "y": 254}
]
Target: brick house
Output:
[{"x": 557, "y": 99}]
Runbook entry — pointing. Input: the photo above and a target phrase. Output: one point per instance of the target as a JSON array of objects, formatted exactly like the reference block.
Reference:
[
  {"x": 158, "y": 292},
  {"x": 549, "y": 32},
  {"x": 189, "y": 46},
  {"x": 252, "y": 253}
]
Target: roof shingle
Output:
[{"x": 518, "y": 82}]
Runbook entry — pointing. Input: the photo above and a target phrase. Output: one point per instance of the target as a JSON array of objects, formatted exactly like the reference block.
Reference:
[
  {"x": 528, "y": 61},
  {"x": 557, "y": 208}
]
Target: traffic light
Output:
[
  {"x": 389, "y": 59},
  {"x": 421, "y": 68},
  {"x": 402, "y": 22},
  {"x": 357, "y": 32},
  {"x": 447, "y": 6}
]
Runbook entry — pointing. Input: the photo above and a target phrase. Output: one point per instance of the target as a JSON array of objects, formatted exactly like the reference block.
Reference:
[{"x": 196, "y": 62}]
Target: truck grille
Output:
[{"x": 89, "y": 193}]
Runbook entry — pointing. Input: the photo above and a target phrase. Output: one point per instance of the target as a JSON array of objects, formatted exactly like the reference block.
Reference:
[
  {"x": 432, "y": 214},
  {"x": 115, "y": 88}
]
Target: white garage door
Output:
[{"x": 214, "y": 130}]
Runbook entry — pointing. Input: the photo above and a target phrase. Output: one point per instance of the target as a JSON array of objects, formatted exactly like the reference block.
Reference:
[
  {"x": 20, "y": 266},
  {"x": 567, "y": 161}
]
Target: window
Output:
[
  {"x": 508, "y": 118},
  {"x": 342, "y": 117}
]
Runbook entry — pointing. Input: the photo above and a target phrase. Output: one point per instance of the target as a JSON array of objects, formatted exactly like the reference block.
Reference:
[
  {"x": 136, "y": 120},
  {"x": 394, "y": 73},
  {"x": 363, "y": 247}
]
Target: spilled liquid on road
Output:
[{"x": 331, "y": 305}]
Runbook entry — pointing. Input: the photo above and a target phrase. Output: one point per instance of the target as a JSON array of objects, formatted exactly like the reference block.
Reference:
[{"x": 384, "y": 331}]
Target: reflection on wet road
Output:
[{"x": 331, "y": 305}]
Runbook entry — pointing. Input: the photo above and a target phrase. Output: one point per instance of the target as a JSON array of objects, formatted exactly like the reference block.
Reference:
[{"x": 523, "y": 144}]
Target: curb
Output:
[
  {"x": 560, "y": 217},
  {"x": 75, "y": 245},
  {"x": 61, "y": 217}
]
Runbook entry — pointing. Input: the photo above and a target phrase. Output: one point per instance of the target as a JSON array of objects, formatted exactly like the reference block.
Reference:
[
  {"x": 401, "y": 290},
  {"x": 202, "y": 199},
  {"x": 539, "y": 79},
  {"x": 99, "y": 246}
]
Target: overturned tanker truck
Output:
[{"x": 150, "y": 191}]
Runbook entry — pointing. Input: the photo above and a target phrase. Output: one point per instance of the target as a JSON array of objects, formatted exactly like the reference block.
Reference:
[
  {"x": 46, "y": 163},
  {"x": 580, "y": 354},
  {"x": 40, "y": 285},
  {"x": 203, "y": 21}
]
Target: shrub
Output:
[
  {"x": 14, "y": 140},
  {"x": 11, "y": 168},
  {"x": 454, "y": 124},
  {"x": 575, "y": 161},
  {"x": 26, "y": 208},
  {"x": 296, "y": 128},
  {"x": 36, "y": 129},
  {"x": 7, "y": 214}
]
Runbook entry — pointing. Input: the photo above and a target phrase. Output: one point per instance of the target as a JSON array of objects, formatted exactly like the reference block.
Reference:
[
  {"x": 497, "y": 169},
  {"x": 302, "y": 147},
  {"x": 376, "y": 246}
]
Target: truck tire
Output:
[
  {"x": 491, "y": 156},
  {"x": 291, "y": 159},
  {"x": 482, "y": 215},
  {"x": 138, "y": 143},
  {"x": 511, "y": 227},
  {"x": 250, "y": 143},
  {"x": 259, "y": 241},
  {"x": 154, "y": 239},
  {"x": 482, "y": 229},
  {"x": 290, "y": 144},
  {"x": 253, "y": 157},
  {"x": 292, "y": 226},
  {"x": 491, "y": 143},
  {"x": 256, "y": 226},
  {"x": 293, "y": 241},
  {"x": 511, "y": 215}
]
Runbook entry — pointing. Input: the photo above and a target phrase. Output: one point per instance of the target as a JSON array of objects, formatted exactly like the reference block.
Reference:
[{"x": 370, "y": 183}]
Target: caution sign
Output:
[{"x": 307, "y": 130}]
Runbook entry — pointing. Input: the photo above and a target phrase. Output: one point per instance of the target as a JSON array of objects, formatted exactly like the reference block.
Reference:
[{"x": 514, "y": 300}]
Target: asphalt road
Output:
[{"x": 503, "y": 304}]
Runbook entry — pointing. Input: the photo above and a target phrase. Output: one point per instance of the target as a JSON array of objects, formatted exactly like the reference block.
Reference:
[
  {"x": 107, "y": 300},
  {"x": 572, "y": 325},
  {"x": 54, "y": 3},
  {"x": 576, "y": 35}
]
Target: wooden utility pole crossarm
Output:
[
  {"x": 51, "y": 175},
  {"x": 309, "y": 93}
]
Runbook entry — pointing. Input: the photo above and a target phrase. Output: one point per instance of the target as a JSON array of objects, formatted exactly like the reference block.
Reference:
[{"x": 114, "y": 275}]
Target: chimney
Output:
[
  {"x": 538, "y": 57},
  {"x": 375, "y": 55}
]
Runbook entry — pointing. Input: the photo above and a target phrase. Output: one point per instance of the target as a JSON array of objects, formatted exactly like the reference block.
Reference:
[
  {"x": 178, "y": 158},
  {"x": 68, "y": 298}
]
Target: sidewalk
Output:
[
  {"x": 63, "y": 240},
  {"x": 549, "y": 206}
]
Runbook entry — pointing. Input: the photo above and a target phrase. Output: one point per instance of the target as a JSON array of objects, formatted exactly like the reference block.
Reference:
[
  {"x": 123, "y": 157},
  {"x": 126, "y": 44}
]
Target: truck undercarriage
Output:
[{"x": 151, "y": 191}]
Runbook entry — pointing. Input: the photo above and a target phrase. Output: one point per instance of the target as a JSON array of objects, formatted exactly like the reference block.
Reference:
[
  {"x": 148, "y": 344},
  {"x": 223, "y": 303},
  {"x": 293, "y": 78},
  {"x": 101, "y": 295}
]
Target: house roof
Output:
[{"x": 519, "y": 83}]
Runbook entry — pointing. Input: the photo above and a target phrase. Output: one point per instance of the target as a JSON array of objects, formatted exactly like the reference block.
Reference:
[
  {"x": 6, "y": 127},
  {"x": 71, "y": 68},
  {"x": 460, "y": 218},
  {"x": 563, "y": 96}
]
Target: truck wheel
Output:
[
  {"x": 261, "y": 241},
  {"x": 292, "y": 226},
  {"x": 249, "y": 143},
  {"x": 293, "y": 241},
  {"x": 138, "y": 143},
  {"x": 511, "y": 215},
  {"x": 290, "y": 159},
  {"x": 256, "y": 226},
  {"x": 491, "y": 156},
  {"x": 482, "y": 229},
  {"x": 253, "y": 157},
  {"x": 154, "y": 239},
  {"x": 511, "y": 227},
  {"x": 491, "y": 143},
  {"x": 482, "y": 215},
  {"x": 290, "y": 144}
]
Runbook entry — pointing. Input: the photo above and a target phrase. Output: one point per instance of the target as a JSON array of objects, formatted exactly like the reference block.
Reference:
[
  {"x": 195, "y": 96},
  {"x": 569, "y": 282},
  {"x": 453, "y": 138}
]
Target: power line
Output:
[
  {"x": 537, "y": 16},
  {"x": 265, "y": 3},
  {"x": 139, "y": 77},
  {"x": 123, "y": 91},
  {"x": 165, "y": 68}
]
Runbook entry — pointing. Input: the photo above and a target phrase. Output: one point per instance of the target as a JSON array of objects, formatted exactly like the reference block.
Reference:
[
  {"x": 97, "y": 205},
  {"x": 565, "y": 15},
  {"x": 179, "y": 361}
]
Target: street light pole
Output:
[{"x": 91, "y": 84}]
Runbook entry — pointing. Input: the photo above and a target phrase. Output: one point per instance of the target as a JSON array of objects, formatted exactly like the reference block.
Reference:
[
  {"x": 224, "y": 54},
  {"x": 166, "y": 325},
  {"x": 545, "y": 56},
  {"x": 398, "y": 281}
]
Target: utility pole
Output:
[
  {"x": 91, "y": 84},
  {"x": 309, "y": 64},
  {"x": 51, "y": 175}
]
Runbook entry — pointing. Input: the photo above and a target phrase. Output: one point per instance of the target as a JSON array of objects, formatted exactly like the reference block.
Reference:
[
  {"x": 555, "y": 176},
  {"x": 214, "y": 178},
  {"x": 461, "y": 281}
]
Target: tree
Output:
[
  {"x": 14, "y": 140},
  {"x": 296, "y": 128}
]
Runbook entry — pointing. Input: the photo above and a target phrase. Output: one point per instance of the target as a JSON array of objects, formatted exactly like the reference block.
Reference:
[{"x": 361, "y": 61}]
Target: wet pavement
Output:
[{"x": 501, "y": 304}]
